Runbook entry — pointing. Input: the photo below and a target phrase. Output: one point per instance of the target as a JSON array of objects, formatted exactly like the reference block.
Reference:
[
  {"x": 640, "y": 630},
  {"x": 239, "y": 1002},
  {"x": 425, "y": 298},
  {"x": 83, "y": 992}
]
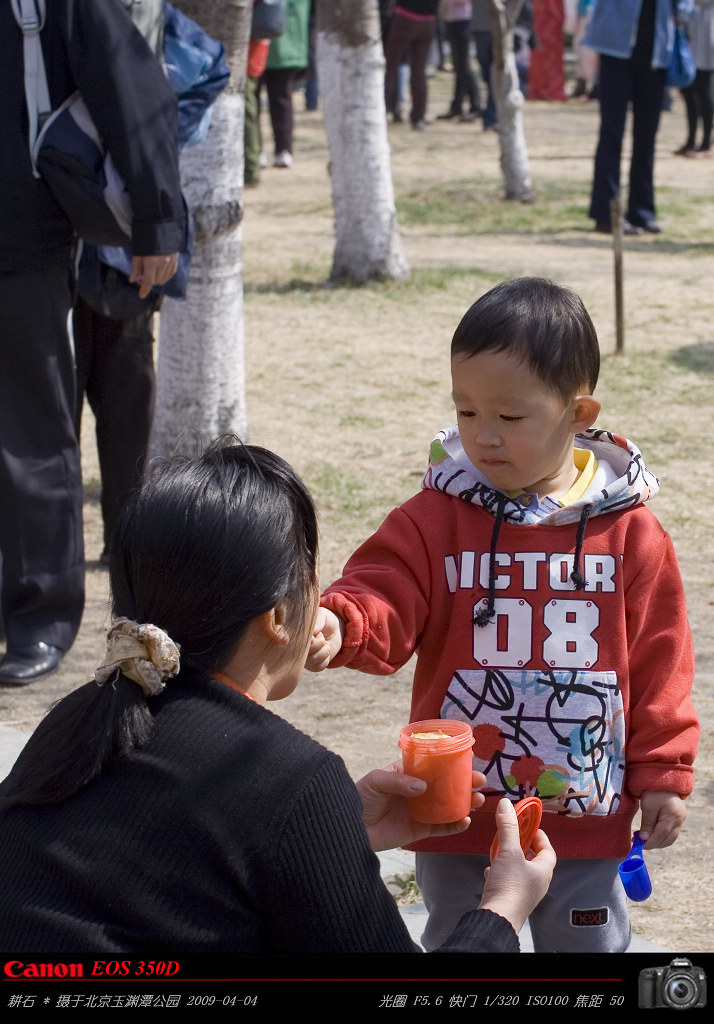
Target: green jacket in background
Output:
[{"x": 290, "y": 50}]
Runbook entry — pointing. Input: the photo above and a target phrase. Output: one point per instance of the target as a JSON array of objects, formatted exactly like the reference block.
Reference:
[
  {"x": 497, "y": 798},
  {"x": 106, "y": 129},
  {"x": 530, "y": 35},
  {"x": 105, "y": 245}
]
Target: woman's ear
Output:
[
  {"x": 586, "y": 409},
  {"x": 273, "y": 624}
]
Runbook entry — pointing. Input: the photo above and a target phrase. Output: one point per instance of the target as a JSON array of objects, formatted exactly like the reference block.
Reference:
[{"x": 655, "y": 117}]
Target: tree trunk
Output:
[
  {"x": 351, "y": 76},
  {"x": 509, "y": 102},
  {"x": 201, "y": 376}
]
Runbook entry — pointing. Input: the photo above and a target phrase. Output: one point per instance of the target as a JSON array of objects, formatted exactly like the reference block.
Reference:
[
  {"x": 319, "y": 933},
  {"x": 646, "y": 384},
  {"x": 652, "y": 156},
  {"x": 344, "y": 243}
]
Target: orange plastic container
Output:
[{"x": 444, "y": 763}]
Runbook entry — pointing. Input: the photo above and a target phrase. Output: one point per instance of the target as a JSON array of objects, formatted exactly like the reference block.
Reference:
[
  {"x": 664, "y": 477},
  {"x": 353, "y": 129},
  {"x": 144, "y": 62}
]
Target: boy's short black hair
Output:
[{"x": 539, "y": 322}]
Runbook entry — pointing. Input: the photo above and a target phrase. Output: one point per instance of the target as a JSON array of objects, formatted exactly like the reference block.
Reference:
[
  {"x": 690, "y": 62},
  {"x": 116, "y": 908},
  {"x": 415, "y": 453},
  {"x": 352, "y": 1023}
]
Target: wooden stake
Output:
[{"x": 616, "y": 221}]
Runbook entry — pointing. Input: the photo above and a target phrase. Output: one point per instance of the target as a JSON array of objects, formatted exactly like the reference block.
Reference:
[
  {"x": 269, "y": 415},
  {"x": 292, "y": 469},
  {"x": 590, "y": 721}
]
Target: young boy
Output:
[{"x": 546, "y": 606}]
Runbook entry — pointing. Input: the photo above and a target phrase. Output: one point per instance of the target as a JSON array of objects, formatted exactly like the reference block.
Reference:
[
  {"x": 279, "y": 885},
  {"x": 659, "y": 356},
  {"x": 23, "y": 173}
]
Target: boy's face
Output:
[{"x": 513, "y": 427}]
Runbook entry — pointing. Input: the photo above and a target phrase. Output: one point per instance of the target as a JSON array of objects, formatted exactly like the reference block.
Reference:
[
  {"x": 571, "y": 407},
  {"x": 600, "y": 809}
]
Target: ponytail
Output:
[{"x": 82, "y": 734}]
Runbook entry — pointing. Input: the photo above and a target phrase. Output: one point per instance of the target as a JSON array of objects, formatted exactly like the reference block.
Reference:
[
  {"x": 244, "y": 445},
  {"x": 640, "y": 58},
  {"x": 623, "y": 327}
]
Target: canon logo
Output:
[{"x": 18, "y": 969}]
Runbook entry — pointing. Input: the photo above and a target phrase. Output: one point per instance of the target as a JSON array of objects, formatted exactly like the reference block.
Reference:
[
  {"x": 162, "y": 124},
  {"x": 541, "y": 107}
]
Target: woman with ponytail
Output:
[{"x": 163, "y": 806}]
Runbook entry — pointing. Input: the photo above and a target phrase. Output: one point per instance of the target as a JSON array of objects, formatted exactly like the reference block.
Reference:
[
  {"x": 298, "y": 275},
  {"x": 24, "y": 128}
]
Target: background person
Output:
[
  {"x": 288, "y": 57},
  {"x": 41, "y": 543},
  {"x": 634, "y": 39},
  {"x": 546, "y": 71},
  {"x": 409, "y": 37},
  {"x": 456, "y": 17},
  {"x": 586, "y": 60},
  {"x": 698, "y": 96},
  {"x": 113, "y": 328}
]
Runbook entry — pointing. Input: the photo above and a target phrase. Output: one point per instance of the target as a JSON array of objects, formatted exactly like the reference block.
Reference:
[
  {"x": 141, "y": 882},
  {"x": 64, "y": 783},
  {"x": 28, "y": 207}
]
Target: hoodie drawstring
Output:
[
  {"x": 576, "y": 576},
  {"x": 484, "y": 616}
]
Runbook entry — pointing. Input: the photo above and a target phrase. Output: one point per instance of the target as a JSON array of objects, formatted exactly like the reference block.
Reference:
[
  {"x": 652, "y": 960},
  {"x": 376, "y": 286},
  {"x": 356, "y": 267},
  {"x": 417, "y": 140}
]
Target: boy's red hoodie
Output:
[{"x": 578, "y": 696}]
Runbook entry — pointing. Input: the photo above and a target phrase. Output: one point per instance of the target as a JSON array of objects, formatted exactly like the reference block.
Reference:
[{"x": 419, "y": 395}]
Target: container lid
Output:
[
  {"x": 528, "y": 812},
  {"x": 459, "y": 736}
]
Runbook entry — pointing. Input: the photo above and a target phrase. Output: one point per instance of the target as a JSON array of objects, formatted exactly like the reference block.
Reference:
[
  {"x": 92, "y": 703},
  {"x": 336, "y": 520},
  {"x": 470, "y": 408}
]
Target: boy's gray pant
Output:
[{"x": 584, "y": 910}]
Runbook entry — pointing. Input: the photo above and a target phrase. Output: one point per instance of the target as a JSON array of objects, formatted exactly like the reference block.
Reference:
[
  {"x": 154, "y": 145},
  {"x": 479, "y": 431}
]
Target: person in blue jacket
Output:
[{"x": 635, "y": 40}]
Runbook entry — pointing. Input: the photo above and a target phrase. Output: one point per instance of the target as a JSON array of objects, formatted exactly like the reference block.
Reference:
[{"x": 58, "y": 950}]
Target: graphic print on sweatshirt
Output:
[{"x": 558, "y": 734}]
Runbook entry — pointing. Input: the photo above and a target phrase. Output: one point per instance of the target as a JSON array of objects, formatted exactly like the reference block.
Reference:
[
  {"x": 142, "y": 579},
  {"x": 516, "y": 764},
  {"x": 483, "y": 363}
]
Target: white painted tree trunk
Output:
[
  {"x": 201, "y": 376},
  {"x": 200, "y": 390},
  {"x": 509, "y": 103},
  {"x": 351, "y": 75}
]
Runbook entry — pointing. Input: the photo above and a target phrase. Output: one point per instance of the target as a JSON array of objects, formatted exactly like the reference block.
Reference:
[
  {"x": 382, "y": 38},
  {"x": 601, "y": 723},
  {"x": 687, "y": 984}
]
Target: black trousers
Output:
[
  {"x": 484, "y": 55},
  {"x": 465, "y": 85},
  {"x": 280, "y": 83},
  {"x": 41, "y": 542},
  {"x": 698, "y": 100},
  {"x": 115, "y": 369},
  {"x": 623, "y": 82}
]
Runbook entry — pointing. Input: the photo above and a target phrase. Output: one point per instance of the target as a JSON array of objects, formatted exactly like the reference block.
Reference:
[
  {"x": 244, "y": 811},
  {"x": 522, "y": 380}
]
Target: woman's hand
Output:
[
  {"x": 516, "y": 882},
  {"x": 384, "y": 794}
]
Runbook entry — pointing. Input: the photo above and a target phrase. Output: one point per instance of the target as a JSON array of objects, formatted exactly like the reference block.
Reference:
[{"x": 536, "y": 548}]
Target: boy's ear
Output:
[{"x": 586, "y": 409}]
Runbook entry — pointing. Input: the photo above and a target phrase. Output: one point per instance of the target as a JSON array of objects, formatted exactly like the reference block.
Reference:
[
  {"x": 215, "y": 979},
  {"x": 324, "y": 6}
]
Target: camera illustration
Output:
[{"x": 679, "y": 986}]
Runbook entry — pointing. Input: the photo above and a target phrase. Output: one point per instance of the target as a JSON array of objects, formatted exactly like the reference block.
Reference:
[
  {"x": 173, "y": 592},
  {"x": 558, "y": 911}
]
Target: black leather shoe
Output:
[
  {"x": 22, "y": 665},
  {"x": 653, "y": 227}
]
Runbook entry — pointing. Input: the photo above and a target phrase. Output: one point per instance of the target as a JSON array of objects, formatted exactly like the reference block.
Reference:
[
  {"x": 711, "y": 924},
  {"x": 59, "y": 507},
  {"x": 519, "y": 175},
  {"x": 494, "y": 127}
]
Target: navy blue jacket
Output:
[{"x": 93, "y": 47}]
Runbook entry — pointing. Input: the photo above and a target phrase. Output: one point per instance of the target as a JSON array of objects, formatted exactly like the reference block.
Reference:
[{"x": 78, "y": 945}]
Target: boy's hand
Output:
[
  {"x": 327, "y": 635},
  {"x": 516, "y": 882},
  {"x": 663, "y": 815},
  {"x": 385, "y": 811}
]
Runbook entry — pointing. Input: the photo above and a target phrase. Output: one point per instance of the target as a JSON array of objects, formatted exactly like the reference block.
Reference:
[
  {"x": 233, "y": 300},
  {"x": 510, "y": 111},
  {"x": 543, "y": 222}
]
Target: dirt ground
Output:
[{"x": 350, "y": 384}]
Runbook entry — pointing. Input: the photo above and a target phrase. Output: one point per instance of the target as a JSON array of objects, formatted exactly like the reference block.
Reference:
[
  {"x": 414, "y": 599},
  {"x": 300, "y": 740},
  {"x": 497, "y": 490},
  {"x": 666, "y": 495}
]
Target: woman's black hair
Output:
[
  {"x": 206, "y": 546},
  {"x": 542, "y": 324}
]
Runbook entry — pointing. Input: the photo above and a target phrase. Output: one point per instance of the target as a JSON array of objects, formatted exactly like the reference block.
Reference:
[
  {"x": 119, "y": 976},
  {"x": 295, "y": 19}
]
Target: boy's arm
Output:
[
  {"x": 373, "y": 617},
  {"x": 663, "y": 727}
]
